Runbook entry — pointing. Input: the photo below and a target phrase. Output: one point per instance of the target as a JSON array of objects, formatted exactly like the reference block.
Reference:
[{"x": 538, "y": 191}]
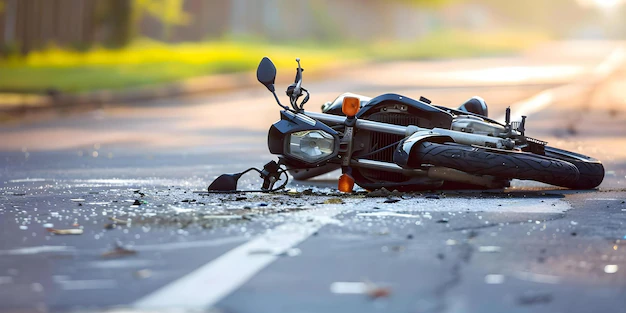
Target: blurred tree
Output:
[
  {"x": 169, "y": 12},
  {"x": 116, "y": 16}
]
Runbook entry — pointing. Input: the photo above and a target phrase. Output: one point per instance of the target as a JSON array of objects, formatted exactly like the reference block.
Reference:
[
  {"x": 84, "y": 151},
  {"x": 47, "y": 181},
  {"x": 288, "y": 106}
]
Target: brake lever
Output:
[
  {"x": 297, "y": 89},
  {"x": 305, "y": 100}
]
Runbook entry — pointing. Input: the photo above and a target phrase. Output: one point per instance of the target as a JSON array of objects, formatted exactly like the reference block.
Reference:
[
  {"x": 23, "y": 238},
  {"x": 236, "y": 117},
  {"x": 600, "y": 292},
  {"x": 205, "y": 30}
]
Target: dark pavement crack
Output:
[{"x": 463, "y": 256}]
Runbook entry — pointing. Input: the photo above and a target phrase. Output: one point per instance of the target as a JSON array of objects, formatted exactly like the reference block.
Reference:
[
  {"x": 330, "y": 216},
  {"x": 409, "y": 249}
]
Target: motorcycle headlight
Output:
[{"x": 311, "y": 145}]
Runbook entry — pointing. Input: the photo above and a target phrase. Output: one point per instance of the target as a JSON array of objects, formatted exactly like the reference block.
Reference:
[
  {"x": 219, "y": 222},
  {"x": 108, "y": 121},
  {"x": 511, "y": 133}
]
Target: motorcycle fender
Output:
[{"x": 402, "y": 154}]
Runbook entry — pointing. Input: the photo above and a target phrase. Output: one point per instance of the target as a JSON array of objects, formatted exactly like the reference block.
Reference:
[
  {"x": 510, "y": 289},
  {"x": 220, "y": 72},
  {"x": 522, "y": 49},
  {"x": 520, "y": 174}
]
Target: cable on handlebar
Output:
[{"x": 281, "y": 172}]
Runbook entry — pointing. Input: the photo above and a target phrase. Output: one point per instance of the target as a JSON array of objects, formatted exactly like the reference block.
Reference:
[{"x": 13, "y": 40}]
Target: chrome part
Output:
[
  {"x": 459, "y": 137},
  {"x": 476, "y": 125},
  {"x": 473, "y": 139},
  {"x": 305, "y": 119},
  {"x": 385, "y": 166},
  {"x": 402, "y": 154},
  {"x": 449, "y": 174},
  {"x": 410, "y": 130}
]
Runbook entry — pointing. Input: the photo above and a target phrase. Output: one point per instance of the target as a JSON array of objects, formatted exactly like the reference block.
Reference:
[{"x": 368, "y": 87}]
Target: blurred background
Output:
[{"x": 85, "y": 45}]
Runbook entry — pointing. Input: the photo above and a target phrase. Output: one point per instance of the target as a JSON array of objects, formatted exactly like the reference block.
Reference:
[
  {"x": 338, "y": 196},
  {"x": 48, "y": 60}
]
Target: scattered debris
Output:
[
  {"x": 241, "y": 198},
  {"x": 443, "y": 221},
  {"x": 143, "y": 274},
  {"x": 382, "y": 192},
  {"x": 307, "y": 192},
  {"x": 333, "y": 201},
  {"x": 370, "y": 289},
  {"x": 115, "y": 222},
  {"x": 494, "y": 279},
  {"x": 538, "y": 278},
  {"x": 432, "y": 197},
  {"x": 387, "y": 213},
  {"x": 340, "y": 287},
  {"x": 78, "y": 200},
  {"x": 532, "y": 298},
  {"x": 263, "y": 204},
  {"x": 71, "y": 231},
  {"x": 472, "y": 234},
  {"x": 248, "y": 217},
  {"x": 136, "y": 202},
  {"x": 222, "y": 217},
  {"x": 489, "y": 249},
  {"x": 376, "y": 292},
  {"x": 392, "y": 200},
  {"x": 291, "y": 252},
  {"x": 118, "y": 221},
  {"x": 398, "y": 248},
  {"x": 118, "y": 251}
]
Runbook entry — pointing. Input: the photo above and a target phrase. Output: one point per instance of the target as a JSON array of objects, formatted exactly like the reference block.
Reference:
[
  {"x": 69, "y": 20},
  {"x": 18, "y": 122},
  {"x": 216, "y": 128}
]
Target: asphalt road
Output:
[{"x": 126, "y": 175}]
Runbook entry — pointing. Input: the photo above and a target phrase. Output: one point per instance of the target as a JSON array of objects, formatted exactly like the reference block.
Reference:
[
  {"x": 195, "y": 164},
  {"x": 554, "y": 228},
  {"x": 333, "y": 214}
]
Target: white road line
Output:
[
  {"x": 213, "y": 281},
  {"x": 546, "y": 97},
  {"x": 510, "y": 205}
]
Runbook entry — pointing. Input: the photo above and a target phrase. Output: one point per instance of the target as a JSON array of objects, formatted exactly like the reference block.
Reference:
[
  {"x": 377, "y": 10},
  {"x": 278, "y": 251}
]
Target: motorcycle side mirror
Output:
[
  {"x": 225, "y": 182},
  {"x": 266, "y": 73}
]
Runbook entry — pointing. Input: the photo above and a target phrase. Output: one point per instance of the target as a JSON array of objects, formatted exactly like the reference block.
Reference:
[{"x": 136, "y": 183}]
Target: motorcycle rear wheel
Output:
[{"x": 498, "y": 163}]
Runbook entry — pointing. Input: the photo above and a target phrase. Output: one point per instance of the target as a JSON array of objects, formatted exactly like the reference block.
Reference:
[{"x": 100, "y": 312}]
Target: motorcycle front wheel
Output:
[{"x": 497, "y": 163}]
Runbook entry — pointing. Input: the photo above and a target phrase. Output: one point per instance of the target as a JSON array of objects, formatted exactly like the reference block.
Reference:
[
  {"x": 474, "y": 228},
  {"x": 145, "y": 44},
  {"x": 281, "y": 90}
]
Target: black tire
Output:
[
  {"x": 591, "y": 170},
  {"x": 501, "y": 164}
]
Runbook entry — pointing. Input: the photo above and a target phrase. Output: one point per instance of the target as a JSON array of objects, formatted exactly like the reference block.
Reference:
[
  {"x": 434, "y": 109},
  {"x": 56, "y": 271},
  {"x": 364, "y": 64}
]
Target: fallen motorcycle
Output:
[{"x": 396, "y": 142}]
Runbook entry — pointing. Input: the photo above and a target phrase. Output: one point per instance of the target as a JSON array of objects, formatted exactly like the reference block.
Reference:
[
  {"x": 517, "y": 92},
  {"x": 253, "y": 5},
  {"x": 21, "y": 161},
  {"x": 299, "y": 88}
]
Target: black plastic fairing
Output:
[
  {"x": 279, "y": 135},
  {"x": 430, "y": 116}
]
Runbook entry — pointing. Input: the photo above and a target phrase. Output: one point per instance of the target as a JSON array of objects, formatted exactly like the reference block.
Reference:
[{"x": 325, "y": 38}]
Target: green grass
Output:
[{"x": 148, "y": 62}]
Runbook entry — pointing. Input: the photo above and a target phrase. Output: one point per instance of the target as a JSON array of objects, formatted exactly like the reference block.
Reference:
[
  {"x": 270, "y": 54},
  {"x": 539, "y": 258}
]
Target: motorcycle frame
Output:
[{"x": 439, "y": 173}]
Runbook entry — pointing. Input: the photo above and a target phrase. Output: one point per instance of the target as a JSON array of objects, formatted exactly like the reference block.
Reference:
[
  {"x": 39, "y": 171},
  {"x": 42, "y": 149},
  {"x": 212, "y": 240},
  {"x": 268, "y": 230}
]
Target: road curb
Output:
[{"x": 198, "y": 85}]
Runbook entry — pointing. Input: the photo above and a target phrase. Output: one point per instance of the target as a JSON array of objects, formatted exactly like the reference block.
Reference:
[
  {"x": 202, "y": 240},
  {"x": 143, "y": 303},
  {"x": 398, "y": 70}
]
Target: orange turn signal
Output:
[
  {"x": 350, "y": 106},
  {"x": 346, "y": 183}
]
